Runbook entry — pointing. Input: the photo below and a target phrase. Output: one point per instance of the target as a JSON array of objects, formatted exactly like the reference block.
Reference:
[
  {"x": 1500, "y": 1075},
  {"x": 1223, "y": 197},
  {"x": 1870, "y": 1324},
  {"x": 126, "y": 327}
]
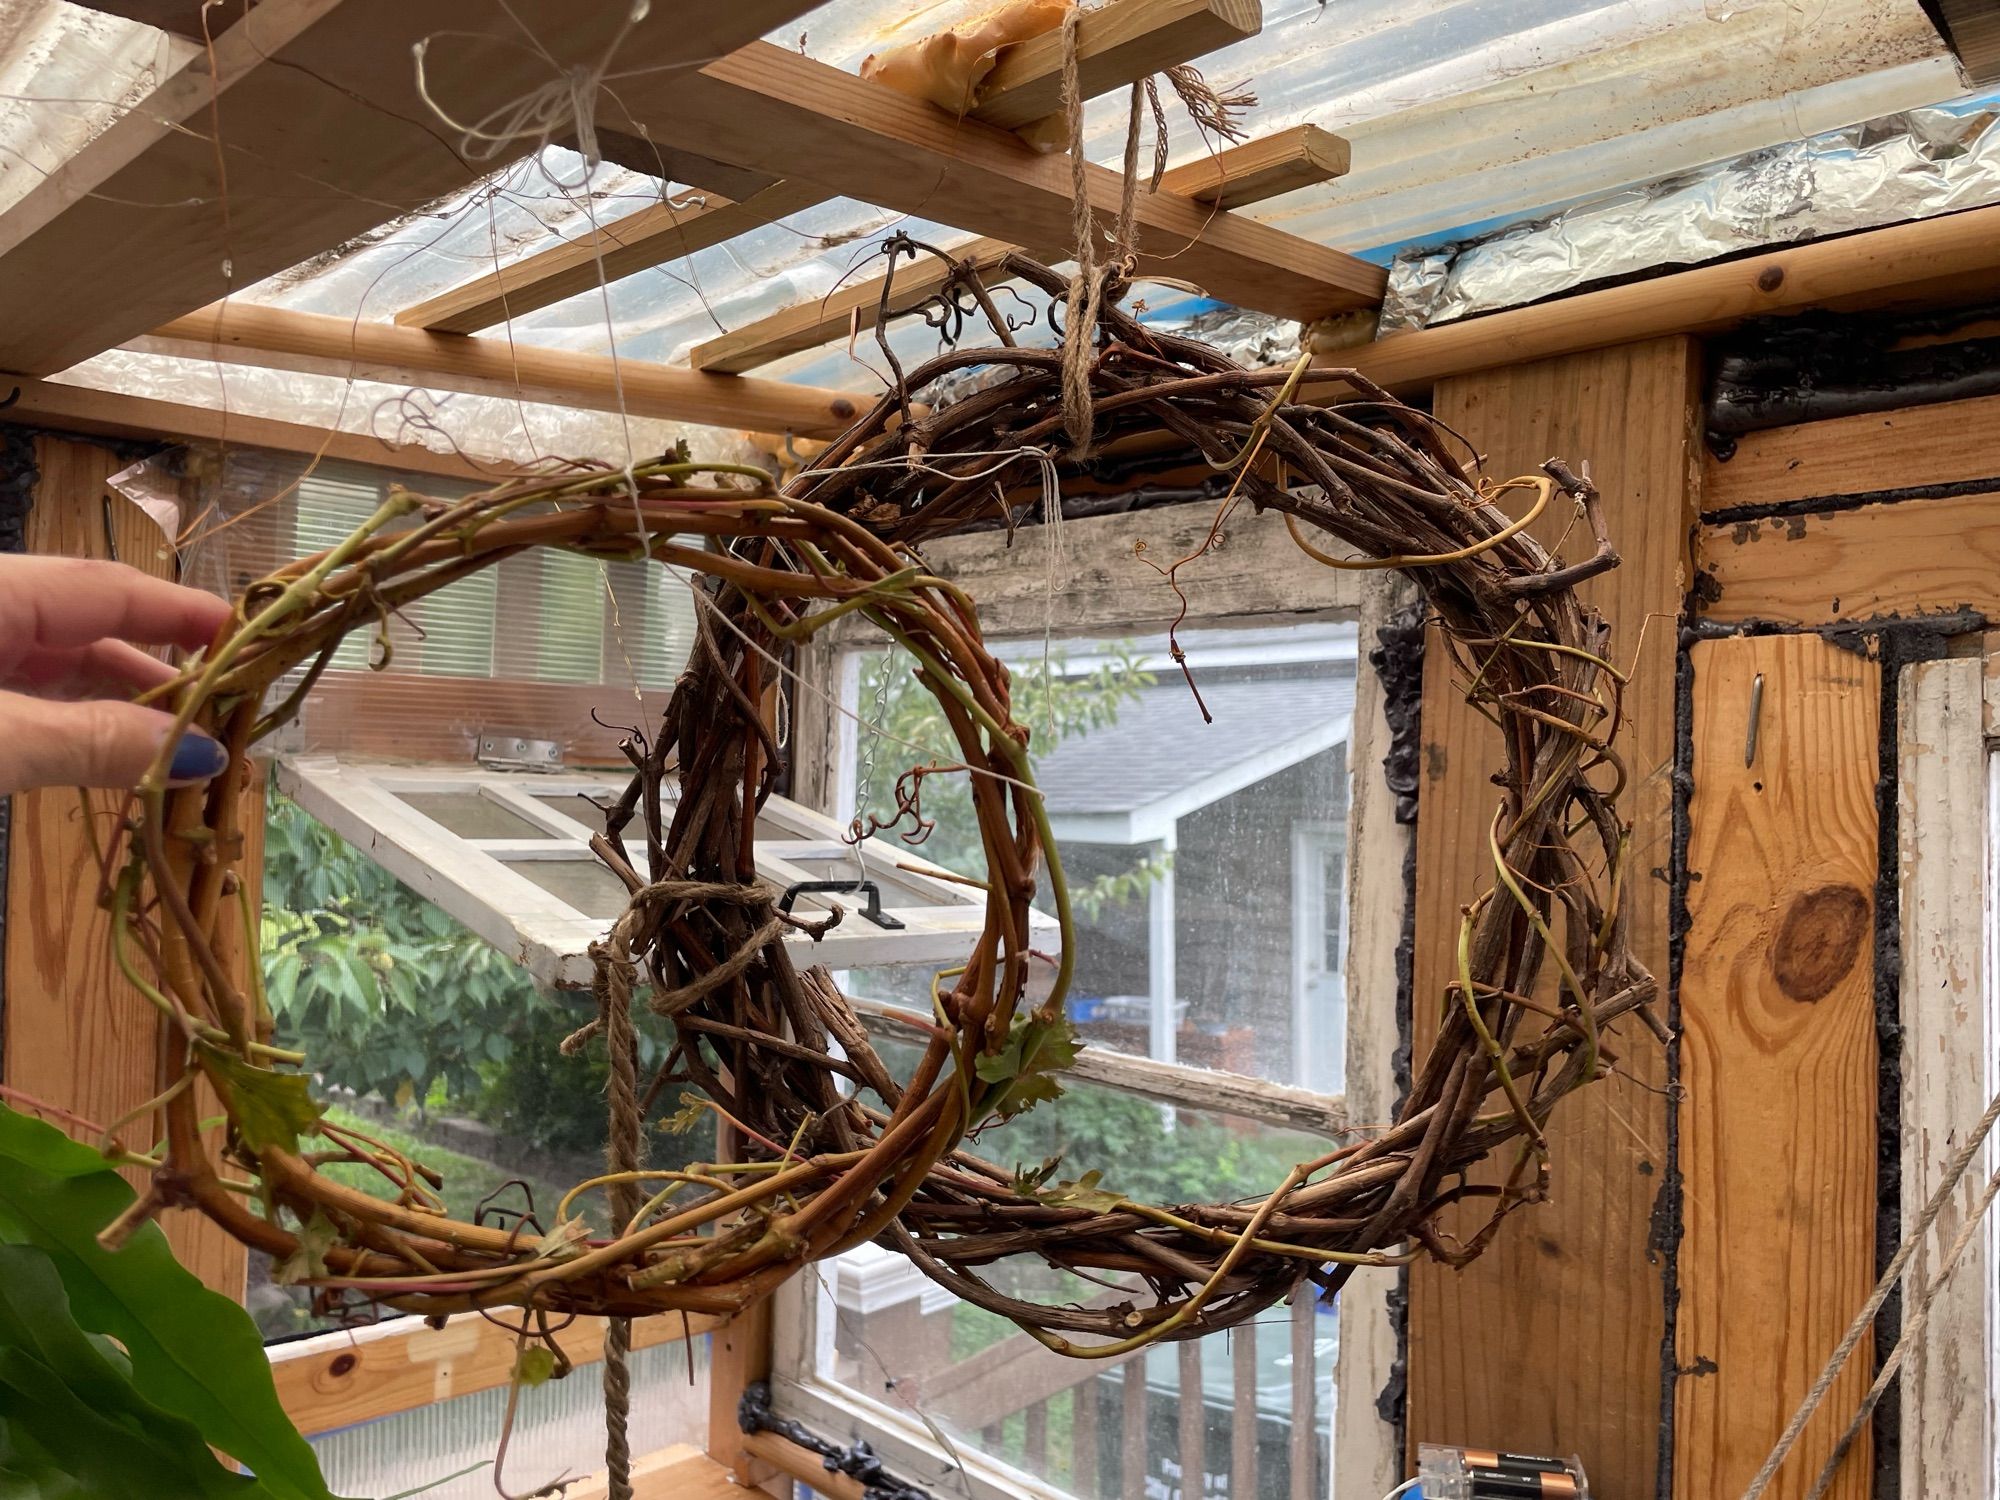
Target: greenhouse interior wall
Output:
[{"x": 1738, "y": 263}]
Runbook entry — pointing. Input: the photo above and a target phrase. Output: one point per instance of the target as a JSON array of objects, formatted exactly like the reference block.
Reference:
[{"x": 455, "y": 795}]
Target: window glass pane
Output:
[
  {"x": 1206, "y": 861},
  {"x": 899, "y": 1338},
  {"x": 584, "y": 883},
  {"x": 421, "y": 1036},
  {"x": 551, "y": 617},
  {"x": 328, "y": 510},
  {"x": 472, "y": 816}
]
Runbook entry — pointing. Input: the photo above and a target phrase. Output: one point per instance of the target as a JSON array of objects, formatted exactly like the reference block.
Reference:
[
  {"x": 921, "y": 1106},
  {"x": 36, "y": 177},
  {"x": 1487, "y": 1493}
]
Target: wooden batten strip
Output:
[
  {"x": 637, "y": 242},
  {"x": 338, "y": 1379},
  {"x": 1301, "y": 157},
  {"x": 1902, "y": 559},
  {"x": 1948, "y": 1451},
  {"x": 1778, "y": 1059},
  {"x": 1927, "y": 263},
  {"x": 1116, "y": 44},
  {"x": 1941, "y": 444},
  {"x": 802, "y": 1465},
  {"x": 768, "y": 108},
  {"x": 243, "y": 333},
  {"x": 1232, "y": 178}
]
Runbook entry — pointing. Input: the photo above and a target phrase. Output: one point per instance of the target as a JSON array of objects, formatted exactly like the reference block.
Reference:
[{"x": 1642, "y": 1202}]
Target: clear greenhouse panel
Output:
[{"x": 1460, "y": 115}]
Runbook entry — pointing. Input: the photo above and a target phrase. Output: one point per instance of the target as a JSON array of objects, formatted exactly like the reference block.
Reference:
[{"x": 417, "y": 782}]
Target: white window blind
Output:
[{"x": 547, "y": 616}]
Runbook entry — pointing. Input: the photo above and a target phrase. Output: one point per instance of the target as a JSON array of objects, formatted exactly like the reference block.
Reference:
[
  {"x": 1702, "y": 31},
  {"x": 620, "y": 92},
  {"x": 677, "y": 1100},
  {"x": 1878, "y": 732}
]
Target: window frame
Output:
[
  {"x": 470, "y": 878},
  {"x": 1255, "y": 577},
  {"x": 1948, "y": 832}
]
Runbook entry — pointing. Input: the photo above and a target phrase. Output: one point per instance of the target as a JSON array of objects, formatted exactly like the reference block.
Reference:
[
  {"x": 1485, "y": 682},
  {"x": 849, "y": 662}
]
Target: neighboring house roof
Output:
[{"x": 1129, "y": 781}]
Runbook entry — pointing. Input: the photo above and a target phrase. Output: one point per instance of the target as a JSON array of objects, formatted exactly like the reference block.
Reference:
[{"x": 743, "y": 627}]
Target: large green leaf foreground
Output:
[{"x": 119, "y": 1370}]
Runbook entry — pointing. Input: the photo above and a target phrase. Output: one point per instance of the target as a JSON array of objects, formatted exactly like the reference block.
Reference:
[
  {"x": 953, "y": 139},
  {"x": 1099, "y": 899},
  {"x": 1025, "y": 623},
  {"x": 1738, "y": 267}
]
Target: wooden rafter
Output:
[
  {"x": 767, "y": 108},
  {"x": 1116, "y": 44},
  {"x": 242, "y": 333},
  {"x": 1957, "y": 255},
  {"x": 657, "y": 233},
  {"x": 315, "y": 119},
  {"x": 1240, "y": 175},
  {"x": 79, "y": 408}
]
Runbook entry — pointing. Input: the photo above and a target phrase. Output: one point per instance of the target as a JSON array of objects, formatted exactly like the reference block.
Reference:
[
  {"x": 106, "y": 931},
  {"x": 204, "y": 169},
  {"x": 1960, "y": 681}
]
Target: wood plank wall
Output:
[
  {"x": 75, "y": 1033},
  {"x": 1778, "y": 1058},
  {"x": 1551, "y": 1341}
]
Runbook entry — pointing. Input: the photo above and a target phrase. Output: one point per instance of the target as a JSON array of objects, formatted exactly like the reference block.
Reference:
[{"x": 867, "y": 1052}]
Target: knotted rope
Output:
[
  {"x": 1093, "y": 283},
  {"x": 615, "y": 973}
]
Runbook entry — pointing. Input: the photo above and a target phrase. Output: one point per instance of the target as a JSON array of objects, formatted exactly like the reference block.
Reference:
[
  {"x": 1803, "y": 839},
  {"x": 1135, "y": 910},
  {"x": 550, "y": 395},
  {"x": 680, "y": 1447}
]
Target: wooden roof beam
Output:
[
  {"x": 1116, "y": 44},
  {"x": 324, "y": 137},
  {"x": 81, "y": 408},
  {"x": 274, "y": 338},
  {"x": 1243, "y": 174},
  {"x": 766, "y": 108}
]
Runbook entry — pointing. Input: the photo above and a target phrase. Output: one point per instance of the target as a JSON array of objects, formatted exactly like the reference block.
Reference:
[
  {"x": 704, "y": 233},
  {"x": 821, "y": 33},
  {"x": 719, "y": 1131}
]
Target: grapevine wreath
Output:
[{"x": 832, "y": 1150}]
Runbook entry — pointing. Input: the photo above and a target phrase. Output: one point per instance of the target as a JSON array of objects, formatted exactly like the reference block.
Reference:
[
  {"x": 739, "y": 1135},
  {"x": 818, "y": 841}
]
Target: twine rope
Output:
[
  {"x": 1087, "y": 285},
  {"x": 1092, "y": 282},
  {"x": 1913, "y": 1335},
  {"x": 1955, "y": 1169},
  {"x": 613, "y": 977}
]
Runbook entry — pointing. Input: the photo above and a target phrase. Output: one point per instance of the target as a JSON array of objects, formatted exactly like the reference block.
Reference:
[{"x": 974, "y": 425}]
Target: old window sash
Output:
[
  {"x": 1255, "y": 578},
  {"x": 508, "y": 854},
  {"x": 1949, "y": 836}
]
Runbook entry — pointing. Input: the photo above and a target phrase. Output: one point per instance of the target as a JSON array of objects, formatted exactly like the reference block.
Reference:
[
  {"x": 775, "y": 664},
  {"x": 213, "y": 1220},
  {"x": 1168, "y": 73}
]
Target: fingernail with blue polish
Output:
[{"x": 196, "y": 758}]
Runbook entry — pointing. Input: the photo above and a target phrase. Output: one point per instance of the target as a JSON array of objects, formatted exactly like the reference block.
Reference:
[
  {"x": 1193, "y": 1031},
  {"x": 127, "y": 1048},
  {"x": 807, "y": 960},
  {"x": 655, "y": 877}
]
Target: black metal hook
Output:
[{"x": 872, "y": 911}]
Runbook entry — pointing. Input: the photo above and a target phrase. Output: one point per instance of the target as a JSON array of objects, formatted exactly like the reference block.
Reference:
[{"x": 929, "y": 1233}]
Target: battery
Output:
[{"x": 1445, "y": 1473}]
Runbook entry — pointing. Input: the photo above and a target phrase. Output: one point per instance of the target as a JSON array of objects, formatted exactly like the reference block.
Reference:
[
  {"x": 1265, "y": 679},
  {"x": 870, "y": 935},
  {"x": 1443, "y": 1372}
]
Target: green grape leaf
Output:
[
  {"x": 1083, "y": 1193},
  {"x": 1025, "y": 1068},
  {"x": 1029, "y": 1183},
  {"x": 270, "y": 1109},
  {"x": 194, "y": 1353},
  {"x": 534, "y": 1365},
  {"x": 316, "y": 1237},
  {"x": 689, "y": 1115}
]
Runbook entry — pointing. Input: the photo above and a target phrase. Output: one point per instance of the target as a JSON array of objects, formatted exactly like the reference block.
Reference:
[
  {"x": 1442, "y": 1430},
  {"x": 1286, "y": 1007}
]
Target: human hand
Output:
[{"x": 68, "y": 662}]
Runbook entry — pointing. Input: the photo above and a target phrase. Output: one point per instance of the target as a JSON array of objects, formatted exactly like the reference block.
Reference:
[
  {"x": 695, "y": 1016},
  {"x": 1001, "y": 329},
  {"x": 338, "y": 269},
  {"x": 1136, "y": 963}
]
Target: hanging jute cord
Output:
[
  {"x": 1094, "y": 281},
  {"x": 614, "y": 974}
]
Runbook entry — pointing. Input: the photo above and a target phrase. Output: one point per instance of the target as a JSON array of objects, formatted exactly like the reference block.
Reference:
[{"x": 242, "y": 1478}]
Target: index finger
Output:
[{"x": 65, "y": 602}]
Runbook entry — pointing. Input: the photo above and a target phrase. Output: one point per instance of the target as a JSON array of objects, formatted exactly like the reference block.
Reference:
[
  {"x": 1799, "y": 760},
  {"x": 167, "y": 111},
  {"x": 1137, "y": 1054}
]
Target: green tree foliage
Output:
[
  {"x": 383, "y": 991},
  {"x": 1053, "y": 702},
  {"x": 386, "y": 994}
]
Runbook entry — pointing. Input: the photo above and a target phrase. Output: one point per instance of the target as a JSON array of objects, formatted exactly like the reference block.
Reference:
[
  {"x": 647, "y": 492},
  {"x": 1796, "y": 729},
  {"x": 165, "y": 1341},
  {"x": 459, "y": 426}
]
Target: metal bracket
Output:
[
  {"x": 872, "y": 911},
  {"x": 509, "y": 752},
  {"x": 859, "y": 1463}
]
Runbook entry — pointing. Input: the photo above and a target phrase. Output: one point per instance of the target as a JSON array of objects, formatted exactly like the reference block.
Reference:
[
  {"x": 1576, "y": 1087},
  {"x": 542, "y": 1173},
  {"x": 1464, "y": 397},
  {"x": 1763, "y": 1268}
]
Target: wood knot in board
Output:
[
  {"x": 1819, "y": 940},
  {"x": 1770, "y": 278}
]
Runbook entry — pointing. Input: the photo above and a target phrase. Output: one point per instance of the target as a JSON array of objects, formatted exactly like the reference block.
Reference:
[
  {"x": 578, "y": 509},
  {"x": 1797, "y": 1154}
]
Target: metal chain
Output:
[{"x": 869, "y": 737}]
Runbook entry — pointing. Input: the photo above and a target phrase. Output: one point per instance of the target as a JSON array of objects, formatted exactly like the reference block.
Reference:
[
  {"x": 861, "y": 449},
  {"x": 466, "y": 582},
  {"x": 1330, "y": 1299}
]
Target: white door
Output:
[{"x": 1319, "y": 946}]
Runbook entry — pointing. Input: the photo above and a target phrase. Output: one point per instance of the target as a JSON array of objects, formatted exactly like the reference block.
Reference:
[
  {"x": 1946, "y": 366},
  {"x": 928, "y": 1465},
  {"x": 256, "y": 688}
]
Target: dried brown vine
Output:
[{"x": 702, "y": 946}]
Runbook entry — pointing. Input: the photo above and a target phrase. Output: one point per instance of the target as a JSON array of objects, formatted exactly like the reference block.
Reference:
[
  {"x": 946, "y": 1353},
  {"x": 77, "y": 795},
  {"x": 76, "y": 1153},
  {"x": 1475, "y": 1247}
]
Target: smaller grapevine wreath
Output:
[{"x": 832, "y": 1150}]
